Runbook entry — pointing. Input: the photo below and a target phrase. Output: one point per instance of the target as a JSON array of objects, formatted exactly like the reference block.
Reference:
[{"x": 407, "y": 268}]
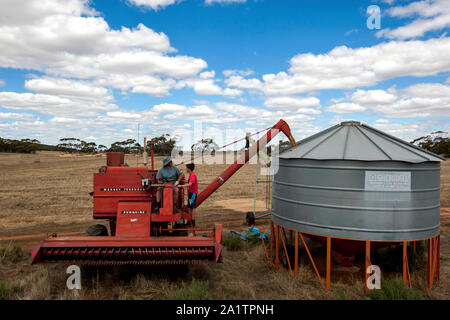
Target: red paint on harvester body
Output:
[{"x": 140, "y": 232}]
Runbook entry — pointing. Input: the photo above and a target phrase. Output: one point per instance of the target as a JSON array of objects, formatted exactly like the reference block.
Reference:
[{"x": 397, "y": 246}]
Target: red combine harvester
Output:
[{"x": 139, "y": 232}]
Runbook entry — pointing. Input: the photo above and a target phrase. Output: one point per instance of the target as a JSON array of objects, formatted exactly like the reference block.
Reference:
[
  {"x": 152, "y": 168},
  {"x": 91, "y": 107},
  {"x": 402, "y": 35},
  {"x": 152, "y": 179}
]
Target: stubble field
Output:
[{"x": 44, "y": 192}]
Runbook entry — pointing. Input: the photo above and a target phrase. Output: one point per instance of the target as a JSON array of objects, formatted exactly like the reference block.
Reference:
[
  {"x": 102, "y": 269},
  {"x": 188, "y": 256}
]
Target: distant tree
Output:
[
  {"x": 30, "y": 141},
  {"x": 88, "y": 147},
  {"x": 136, "y": 148},
  {"x": 162, "y": 145},
  {"x": 19, "y": 146},
  {"x": 77, "y": 145},
  {"x": 69, "y": 144},
  {"x": 102, "y": 148},
  {"x": 435, "y": 142},
  {"x": 126, "y": 146},
  {"x": 205, "y": 145}
]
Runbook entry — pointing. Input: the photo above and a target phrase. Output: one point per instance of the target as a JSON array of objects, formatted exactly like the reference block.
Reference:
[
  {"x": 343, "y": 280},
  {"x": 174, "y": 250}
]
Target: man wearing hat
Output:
[{"x": 168, "y": 174}]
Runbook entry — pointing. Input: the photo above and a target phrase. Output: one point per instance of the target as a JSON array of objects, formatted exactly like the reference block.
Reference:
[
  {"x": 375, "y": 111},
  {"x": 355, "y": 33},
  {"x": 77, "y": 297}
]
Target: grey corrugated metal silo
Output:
[{"x": 355, "y": 182}]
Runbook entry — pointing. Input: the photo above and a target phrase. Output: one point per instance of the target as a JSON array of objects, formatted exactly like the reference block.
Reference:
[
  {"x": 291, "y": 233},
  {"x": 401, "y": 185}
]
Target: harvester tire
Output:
[{"x": 97, "y": 230}]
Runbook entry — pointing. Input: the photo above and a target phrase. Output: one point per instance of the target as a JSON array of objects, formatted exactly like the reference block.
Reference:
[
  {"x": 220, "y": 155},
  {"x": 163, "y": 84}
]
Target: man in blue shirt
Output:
[{"x": 168, "y": 174}]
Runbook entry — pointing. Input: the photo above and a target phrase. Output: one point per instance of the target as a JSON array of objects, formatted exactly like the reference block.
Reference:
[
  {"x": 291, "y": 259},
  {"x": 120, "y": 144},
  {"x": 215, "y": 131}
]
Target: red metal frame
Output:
[
  {"x": 125, "y": 196},
  {"x": 253, "y": 150}
]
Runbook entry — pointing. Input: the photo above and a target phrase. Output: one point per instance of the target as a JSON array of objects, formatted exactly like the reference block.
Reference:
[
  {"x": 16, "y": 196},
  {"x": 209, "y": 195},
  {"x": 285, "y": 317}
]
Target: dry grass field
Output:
[{"x": 44, "y": 192}]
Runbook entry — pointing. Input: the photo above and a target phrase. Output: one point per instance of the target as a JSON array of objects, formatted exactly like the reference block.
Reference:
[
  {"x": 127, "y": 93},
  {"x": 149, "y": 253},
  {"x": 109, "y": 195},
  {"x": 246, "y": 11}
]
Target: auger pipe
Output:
[{"x": 261, "y": 143}]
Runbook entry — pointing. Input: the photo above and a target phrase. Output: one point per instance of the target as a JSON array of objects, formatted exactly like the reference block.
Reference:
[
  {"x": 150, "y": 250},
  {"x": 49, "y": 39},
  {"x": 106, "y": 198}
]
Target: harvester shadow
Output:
[{"x": 127, "y": 274}]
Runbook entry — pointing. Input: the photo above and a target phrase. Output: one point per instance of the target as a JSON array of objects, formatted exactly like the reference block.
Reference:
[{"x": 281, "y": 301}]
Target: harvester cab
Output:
[{"x": 139, "y": 232}]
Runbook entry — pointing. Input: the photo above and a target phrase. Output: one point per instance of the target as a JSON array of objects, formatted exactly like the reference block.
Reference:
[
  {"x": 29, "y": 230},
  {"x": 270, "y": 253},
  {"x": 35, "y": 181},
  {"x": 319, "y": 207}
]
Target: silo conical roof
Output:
[{"x": 352, "y": 140}]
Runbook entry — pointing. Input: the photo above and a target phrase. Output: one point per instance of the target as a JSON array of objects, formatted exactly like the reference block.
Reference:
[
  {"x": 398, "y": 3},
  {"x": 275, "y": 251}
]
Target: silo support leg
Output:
[
  {"x": 328, "y": 262},
  {"x": 406, "y": 274},
  {"x": 434, "y": 260},
  {"x": 296, "y": 256},
  {"x": 284, "y": 240},
  {"x": 311, "y": 259},
  {"x": 367, "y": 264},
  {"x": 429, "y": 262},
  {"x": 404, "y": 262},
  {"x": 438, "y": 267},
  {"x": 277, "y": 246},
  {"x": 264, "y": 245},
  {"x": 272, "y": 232}
]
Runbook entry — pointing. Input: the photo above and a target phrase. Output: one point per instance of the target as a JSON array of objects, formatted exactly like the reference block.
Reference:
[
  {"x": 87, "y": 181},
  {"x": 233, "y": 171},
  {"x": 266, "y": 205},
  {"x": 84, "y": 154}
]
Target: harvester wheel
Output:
[{"x": 97, "y": 230}]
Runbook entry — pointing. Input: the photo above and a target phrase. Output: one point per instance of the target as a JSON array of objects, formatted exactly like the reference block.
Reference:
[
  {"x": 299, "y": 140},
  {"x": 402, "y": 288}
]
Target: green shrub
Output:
[
  {"x": 197, "y": 290},
  {"x": 11, "y": 253},
  {"x": 7, "y": 293},
  {"x": 394, "y": 290},
  {"x": 342, "y": 295},
  {"x": 232, "y": 243},
  {"x": 254, "y": 239}
]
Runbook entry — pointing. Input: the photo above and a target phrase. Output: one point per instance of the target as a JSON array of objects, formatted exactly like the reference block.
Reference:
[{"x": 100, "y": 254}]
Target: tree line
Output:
[
  {"x": 435, "y": 142},
  {"x": 162, "y": 145}
]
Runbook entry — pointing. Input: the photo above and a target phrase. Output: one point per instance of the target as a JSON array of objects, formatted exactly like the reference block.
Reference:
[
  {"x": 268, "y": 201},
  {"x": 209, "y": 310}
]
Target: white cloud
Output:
[
  {"x": 123, "y": 115},
  {"x": 153, "y": 85},
  {"x": 148, "y": 62},
  {"x": 373, "y": 97},
  {"x": 161, "y": 4},
  {"x": 233, "y": 72},
  {"x": 168, "y": 107},
  {"x": 224, "y": 1},
  {"x": 408, "y": 130},
  {"x": 17, "y": 116},
  {"x": 69, "y": 88},
  {"x": 200, "y": 112},
  {"x": 31, "y": 12},
  {"x": 419, "y": 100},
  {"x": 244, "y": 112},
  {"x": 206, "y": 86},
  {"x": 53, "y": 105},
  {"x": 346, "y": 68},
  {"x": 265, "y": 117},
  {"x": 66, "y": 121},
  {"x": 291, "y": 103},
  {"x": 70, "y": 40},
  {"x": 208, "y": 74},
  {"x": 152, "y": 4},
  {"x": 430, "y": 15},
  {"x": 2, "y": 83},
  {"x": 240, "y": 82},
  {"x": 345, "y": 107}
]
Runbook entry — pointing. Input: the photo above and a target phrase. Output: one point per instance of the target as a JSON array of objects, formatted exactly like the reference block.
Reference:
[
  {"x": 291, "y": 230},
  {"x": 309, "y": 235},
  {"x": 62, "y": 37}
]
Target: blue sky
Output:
[{"x": 96, "y": 69}]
